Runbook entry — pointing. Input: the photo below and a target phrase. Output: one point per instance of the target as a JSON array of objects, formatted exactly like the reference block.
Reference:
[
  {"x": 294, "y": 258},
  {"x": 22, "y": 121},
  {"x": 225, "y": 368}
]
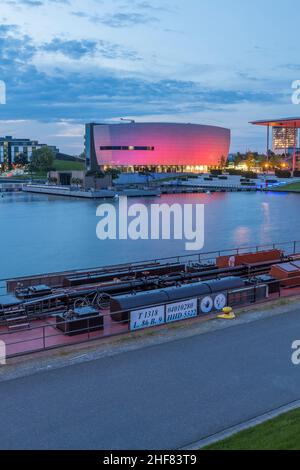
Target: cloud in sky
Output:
[
  {"x": 90, "y": 96},
  {"x": 35, "y": 3},
  {"x": 121, "y": 20},
  {"x": 145, "y": 5},
  {"x": 99, "y": 60},
  {"x": 118, "y": 20},
  {"x": 80, "y": 96},
  {"x": 71, "y": 48},
  {"x": 28, "y": 3},
  {"x": 77, "y": 49}
]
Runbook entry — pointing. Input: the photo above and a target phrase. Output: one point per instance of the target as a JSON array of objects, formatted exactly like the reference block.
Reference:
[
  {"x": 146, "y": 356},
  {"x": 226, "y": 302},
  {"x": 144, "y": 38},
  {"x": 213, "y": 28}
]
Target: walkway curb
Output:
[{"x": 220, "y": 436}]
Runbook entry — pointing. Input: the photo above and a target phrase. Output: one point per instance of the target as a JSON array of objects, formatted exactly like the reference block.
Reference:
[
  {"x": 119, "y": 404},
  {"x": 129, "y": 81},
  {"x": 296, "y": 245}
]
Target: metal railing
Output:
[
  {"x": 45, "y": 336},
  {"x": 289, "y": 248}
]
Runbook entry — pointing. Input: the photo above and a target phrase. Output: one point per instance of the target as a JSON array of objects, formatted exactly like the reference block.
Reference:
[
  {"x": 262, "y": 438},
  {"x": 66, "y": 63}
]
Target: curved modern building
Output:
[{"x": 155, "y": 146}]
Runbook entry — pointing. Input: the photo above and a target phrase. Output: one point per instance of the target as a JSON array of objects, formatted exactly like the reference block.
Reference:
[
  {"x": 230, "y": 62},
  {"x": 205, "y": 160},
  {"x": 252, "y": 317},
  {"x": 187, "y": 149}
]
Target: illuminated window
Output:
[{"x": 128, "y": 147}]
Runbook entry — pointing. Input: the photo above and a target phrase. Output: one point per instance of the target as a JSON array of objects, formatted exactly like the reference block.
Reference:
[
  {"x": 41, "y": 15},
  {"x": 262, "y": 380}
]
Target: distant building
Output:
[
  {"x": 289, "y": 151},
  {"x": 155, "y": 147},
  {"x": 284, "y": 138},
  {"x": 10, "y": 148}
]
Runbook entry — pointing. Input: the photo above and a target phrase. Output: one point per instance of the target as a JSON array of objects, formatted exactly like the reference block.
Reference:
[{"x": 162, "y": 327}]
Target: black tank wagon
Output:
[{"x": 122, "y": 305}]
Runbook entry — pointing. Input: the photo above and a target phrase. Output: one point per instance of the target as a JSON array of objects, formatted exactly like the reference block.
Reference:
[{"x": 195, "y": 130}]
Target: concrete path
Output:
[{"x": 164, "y": 396}]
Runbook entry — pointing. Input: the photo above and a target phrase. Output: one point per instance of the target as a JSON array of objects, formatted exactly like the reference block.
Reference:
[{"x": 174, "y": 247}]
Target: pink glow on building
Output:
[{"x": 167, "y": 144}]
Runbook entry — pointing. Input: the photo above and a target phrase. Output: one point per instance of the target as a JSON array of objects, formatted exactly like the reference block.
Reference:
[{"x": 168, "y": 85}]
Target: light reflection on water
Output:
[
  {"x": 45, "y": 233},
  {"x": 242, "y": 236}
]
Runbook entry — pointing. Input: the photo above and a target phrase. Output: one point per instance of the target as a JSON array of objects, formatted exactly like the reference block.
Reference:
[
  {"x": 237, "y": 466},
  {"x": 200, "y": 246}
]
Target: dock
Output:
[
  {"x": 90, "y": 194},
  {"x": 182, "y": 189}
]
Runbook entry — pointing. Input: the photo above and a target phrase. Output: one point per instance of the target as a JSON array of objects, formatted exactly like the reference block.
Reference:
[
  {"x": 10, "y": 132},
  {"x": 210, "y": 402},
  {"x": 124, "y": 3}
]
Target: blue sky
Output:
[{"x": 66, "y": 62}]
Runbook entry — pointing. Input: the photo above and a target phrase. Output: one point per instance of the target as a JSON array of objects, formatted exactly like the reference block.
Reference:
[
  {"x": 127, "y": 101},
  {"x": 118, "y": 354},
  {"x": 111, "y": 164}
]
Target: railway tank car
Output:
[{"x": 122, "y": 305}]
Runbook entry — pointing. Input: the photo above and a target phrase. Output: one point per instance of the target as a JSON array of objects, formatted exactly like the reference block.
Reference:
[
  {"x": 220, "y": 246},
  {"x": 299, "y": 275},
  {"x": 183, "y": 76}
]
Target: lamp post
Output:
[
  {"x": 268, "y": 140},
  {"x": 294, "y": 150}
]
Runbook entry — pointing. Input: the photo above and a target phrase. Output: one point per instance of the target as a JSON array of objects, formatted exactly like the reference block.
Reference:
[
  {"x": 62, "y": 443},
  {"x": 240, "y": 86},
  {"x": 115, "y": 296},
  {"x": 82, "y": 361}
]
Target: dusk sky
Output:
[{"x": 67, "y": 62}]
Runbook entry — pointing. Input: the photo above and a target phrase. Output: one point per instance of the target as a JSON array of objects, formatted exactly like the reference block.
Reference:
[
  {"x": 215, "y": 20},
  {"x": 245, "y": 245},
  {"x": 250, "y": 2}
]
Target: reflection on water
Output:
[
  {"x": 45, "y": 233},
  {"x": 242, "y": 236}
]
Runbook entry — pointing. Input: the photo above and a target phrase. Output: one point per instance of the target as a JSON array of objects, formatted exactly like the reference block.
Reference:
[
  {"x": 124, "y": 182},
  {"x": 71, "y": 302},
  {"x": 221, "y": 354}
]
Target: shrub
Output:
[
  {"x": 249, "y": 174},
  {"x": 95, "y": 173},
  {"x": 244, "y": 174},
  {"x": 282, "y": 173}
]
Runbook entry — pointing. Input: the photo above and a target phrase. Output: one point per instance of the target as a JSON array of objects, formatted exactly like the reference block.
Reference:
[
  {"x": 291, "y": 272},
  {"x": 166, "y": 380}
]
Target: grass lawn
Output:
[
  {"x": 289, "y": 187},
  {"x": 281, "y": 433},
  {"x": 64, "y": 165},
  {"x": 58, "y": 165}
]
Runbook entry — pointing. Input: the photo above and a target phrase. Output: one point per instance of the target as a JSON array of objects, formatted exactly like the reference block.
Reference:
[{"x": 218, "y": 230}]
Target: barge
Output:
[{"x": 51, "y": 310}]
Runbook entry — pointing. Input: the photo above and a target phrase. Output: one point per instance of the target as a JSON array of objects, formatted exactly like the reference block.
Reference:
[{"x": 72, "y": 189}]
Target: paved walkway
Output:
[{"x": 163, "y": 396}]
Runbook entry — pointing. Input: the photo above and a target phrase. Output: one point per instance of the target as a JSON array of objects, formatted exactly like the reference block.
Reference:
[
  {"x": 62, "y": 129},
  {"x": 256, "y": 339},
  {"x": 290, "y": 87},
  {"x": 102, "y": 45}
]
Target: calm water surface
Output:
[{"x": 42, "y": 233}]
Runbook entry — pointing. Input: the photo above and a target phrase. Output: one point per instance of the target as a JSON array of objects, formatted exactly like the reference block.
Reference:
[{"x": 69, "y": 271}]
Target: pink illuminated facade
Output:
[{"x": 156, "y": 146}]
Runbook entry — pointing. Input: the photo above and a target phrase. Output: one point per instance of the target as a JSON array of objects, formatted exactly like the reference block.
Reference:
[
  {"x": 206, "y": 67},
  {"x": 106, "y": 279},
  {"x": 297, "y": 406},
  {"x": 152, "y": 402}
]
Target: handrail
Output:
[{"x": 198, "y": 255}]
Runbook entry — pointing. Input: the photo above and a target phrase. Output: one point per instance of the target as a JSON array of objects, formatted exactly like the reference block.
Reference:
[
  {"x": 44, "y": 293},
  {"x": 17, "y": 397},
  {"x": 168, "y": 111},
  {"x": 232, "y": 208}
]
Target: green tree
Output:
[
  {"x": 53, "y": 180},
  {"x": 250, "y": 160},
  {"x": 21, "y": 159},
  {"x": 275, "y": 161},
  {"x": 223, "y": 162},
  {"x": 96, "y": 173},
  {"x": 113, "y": 172},
  {"x": 77, "y": 181},
  {"x": 262, "y": 162},
  {"x": 42, "y": 159},
  {"x": 238, "y": 158}
]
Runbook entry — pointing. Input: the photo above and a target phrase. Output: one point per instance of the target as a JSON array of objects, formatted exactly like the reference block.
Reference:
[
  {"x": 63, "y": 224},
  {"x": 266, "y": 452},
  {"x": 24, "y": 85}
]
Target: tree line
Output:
[{"x": 256, "y": 160}]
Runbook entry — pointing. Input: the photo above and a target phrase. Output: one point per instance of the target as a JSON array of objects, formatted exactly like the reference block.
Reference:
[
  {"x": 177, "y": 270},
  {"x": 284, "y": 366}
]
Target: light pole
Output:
[
  {"x": 268, "y": 140},
  {"x": 294, "y": 150}
]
